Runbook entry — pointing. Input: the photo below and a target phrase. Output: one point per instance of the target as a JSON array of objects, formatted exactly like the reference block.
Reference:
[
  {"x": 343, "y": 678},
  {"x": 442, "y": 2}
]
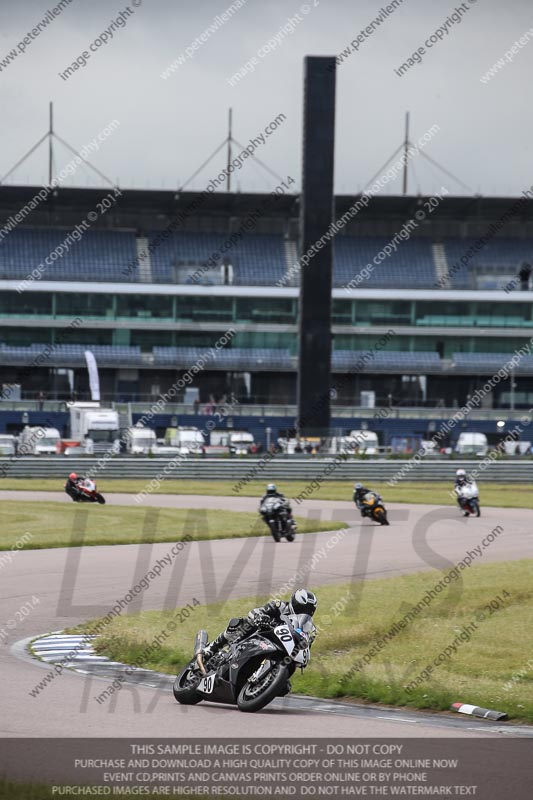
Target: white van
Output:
[
  {"x": 187, "y": 439},
  {"x": 140, "y": 441},
  {"x": 7, "y": 444},
  {"x": 38, "y": 441},
  {"x": 363, "y": 442},
  {"x": 474, "y": 444}
]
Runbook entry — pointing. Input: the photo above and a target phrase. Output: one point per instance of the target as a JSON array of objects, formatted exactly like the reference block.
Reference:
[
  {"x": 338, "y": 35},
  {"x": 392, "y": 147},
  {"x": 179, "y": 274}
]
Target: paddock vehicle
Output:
[
  {"x": 474, "y": 444},
  {"x": 140, "y": 441},
  {"x": 8, "y": 445},
  {"x": 251, "y": 671},
  {"x": 468, "y": 498},
  {"x": 38, "y": 441},
  {"x": 94, "y": 429},
  {"x": 372, "y": 506},
  {"x": 241, "y": 443},
  {"x": 276, "y": 515},
  {"x": 363, "y": 442},
  {"x": 188, "y": 440}
]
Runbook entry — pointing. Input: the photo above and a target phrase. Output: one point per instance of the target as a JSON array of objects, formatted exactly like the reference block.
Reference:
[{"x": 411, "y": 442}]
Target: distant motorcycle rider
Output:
[
  {"x": 302, "y": 601},
  {"x": 272, "y": 491},
  {"x": 72, "y": 486},
  {"x": 461, "y": 480},
  {"x": 359, "y": 492},
  {"x": 358, "y": 498}
]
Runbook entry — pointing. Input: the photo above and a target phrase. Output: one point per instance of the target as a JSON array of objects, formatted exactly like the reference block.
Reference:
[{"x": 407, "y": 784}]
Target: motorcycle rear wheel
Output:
[
  {"x": 255, "y": 697},
  {"x": 184, "y": 695}
]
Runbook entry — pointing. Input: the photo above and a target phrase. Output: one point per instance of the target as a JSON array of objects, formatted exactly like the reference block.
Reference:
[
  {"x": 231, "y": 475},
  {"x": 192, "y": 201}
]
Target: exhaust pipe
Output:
[{"x": 199, "y": 644}]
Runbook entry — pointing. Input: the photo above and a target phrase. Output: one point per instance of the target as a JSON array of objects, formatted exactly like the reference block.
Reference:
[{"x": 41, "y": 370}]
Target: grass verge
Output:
[
  {"x": 511, "y": 495},
  {"x": 12, "y": 790},
  {"x": 491, "y": 668},
  {"x": 38, "y": 525}
]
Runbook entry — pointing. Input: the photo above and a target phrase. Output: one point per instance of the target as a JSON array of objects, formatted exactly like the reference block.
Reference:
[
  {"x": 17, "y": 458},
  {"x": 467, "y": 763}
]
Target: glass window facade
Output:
[
  {"x": 205, "y": 309},
  {"x": 132, "y": 310},
  {"x": 266, "y": 309},
  {"x": 84, "y": 305},
  {"x": 144, "y": 306},
  {"x": 382, "y": 312},
  {"x": 486, "y": 315},
  {"x": 342, "y": 312},
  {"x": 25, "y": 304}
]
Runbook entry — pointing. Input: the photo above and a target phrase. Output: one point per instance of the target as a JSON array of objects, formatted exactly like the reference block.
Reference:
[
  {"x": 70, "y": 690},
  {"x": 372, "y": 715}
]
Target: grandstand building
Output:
[{"x": 158, "y": 278}]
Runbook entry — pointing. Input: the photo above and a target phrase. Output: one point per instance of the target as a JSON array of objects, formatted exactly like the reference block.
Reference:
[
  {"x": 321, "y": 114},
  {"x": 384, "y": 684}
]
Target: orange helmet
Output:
[{"x": 73, "y": 476}]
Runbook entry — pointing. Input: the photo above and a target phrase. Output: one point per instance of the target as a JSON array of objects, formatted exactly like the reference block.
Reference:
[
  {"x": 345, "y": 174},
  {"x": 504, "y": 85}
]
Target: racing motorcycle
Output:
[
  {"x": 372, "y": 506},
  {"x": 87, "y": 492},
  {"x": 468, "y": 496},
  {"x": 251, "y": 671},
  {"x": 275, "y": 513}
]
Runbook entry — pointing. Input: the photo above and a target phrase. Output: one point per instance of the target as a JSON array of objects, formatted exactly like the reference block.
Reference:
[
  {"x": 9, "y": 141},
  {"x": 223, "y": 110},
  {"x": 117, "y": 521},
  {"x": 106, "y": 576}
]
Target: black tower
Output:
[{"x": 316, "y": 215}]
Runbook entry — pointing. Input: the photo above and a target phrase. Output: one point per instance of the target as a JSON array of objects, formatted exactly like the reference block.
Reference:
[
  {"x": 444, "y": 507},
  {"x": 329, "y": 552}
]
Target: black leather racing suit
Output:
[
  {"x": 71, "y": 488},
  {"x": 240, "y": 627}
]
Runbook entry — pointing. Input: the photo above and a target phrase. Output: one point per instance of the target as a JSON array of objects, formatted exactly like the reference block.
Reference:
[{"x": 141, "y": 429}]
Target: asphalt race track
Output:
[{"x": 76, "y": 584}]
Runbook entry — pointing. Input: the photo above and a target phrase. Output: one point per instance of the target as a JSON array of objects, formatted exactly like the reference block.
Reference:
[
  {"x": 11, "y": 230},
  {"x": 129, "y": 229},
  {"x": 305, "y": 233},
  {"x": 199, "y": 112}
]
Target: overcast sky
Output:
[{"x": 168, "y": 127}]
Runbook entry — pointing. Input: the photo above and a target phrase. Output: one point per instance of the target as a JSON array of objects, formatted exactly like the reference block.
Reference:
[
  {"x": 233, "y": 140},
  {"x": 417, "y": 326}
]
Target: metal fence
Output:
[
  {"x": 280, "y": 410},
  {"x": 278, "y": 468}
]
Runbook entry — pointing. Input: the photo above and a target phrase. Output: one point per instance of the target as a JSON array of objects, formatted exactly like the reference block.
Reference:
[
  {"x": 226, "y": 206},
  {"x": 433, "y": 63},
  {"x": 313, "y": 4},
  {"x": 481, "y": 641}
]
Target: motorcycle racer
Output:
[
  {"x": 359, "y": 492},
  {"x": 272, "y": 491},
  {"x": 302, "y": 601},
  {"x": 461, "y": 480},
  {"x": 72, "y": 486}
]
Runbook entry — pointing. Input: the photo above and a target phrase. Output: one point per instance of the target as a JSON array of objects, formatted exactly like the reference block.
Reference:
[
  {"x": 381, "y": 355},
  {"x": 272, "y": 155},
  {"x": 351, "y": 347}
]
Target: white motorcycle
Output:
[{"x": 468, "y": 497}]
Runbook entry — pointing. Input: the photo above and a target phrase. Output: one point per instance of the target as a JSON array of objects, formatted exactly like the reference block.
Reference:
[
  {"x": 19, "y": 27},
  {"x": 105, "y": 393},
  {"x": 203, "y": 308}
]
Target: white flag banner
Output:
[{"x": 94, "y": 380}]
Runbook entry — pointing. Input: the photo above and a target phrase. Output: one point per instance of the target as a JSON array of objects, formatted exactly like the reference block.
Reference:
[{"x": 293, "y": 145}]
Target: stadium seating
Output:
[
  {"x": 385, "y": 361},
  {"x": 69, "y": 355},
  {"x": 410, "y": 266},
  {"x": 258, "y": 259},
  {"x": 233, "y": 358},
  {"x": 500, "y": 257},
  {"x": 96, "y": 256},
  {"x": 489, "y": 363}
]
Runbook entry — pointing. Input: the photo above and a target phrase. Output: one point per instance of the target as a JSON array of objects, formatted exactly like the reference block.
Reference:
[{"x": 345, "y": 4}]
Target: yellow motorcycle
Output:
[{"x": 372, "y": 506}]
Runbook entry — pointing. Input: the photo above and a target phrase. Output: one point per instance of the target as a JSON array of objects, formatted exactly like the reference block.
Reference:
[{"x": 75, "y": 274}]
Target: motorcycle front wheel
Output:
[
  {"x": 254, "y": 697},
  {"x": 273, "y": 525},
  {"x": 380, "y": 515},
  {"x": 182, "y": 690},
  {"x": 100, "y": 498}
]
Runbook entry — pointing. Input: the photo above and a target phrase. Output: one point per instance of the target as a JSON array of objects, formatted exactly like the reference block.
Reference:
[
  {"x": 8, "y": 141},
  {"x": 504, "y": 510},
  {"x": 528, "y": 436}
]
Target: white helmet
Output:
[
  {"x": 303, "y": 602},
  {"x": 460, "y": 473}
]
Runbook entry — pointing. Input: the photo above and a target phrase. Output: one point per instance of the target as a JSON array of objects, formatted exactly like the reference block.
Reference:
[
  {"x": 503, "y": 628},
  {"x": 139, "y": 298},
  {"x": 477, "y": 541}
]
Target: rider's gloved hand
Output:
[{"x": 259, "y": 619}]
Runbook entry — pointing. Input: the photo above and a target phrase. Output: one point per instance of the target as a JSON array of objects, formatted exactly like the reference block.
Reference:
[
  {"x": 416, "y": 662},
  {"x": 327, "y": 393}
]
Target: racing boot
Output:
[
  {"x": 214, "y": 647},
  {"x": 231, "y": 634}
]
